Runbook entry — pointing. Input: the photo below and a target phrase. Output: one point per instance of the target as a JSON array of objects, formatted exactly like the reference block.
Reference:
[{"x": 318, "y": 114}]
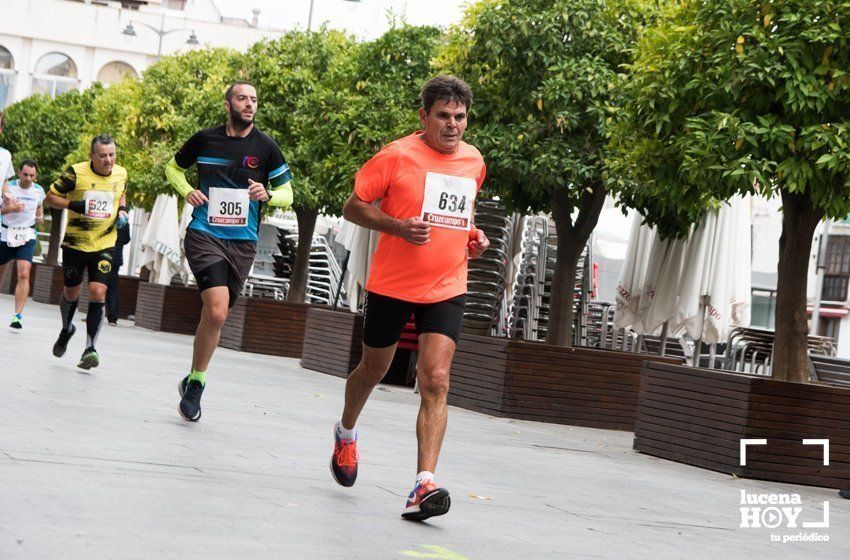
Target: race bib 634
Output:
[{"x": 448, "y": 201}]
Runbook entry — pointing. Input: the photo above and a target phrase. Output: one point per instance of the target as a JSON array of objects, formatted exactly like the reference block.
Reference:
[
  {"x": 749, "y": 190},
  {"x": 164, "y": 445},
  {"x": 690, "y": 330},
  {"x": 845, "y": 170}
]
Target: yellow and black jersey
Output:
[{"x": 94, "y": 230}]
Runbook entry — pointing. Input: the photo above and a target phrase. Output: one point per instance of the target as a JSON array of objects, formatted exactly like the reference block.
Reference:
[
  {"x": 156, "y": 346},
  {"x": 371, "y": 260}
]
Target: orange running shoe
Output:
[
  {"x": 344, "y": 460},
  {"x": 426, "y": 500}
]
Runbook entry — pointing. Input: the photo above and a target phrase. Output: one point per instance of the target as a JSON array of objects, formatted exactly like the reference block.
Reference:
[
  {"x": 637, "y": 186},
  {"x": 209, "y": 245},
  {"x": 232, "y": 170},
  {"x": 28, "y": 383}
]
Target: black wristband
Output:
[
  {"x": 120, "y": 208},
  {"x": 78, "y": 206}
]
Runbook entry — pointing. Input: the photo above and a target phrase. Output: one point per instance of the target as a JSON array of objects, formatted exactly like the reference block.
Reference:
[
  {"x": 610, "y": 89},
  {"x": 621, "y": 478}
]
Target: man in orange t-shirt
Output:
[{"x": 426, "y": 183}]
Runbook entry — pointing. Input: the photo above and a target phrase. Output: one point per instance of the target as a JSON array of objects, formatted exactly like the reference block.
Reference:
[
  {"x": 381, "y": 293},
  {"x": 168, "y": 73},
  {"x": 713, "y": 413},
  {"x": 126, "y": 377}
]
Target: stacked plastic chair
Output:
[
  {"x": 529, "y": 279},
  {"x": 751, "y": 350},
  {"x": 487, "y": 279},
  {"x": 324, "y": 275},
  {"x": 830, "y": 370},
  {"x": 284, "y": 262},
  {"x": 600, "y": 331},
  {"x": 528, "y": 312}
]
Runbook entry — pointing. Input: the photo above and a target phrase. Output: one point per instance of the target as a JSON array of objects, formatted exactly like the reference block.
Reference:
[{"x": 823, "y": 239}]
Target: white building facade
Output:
[
  {"x": 834, "y": 317},
  {"x": 53, "y": 46}
]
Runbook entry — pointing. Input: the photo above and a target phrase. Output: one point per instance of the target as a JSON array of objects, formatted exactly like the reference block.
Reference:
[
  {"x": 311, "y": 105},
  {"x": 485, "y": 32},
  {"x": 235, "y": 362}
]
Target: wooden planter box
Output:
[
  {"x": 128, "y": 293},
  {"x": 534, "y": 381},
  {"x": 698, "y": 417},
  {"x": 175, "y": 309},
  {"x": 332, "y": 341},
  {"x": 265, "y": 326},
  {"x": 10, "y": 279},
  {"x": 48, "y": 284}
]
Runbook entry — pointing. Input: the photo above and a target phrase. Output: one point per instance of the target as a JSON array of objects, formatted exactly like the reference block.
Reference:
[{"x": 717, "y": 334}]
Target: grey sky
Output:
[{"x": 366, "y": 19}]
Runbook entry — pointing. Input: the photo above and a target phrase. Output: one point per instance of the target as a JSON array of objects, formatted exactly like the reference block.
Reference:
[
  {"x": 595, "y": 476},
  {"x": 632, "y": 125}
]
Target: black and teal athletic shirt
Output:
[{"x": 225, "y": 163}]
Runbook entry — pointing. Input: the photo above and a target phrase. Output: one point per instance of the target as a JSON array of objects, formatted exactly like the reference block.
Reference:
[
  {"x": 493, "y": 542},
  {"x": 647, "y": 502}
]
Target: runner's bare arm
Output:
[
  {"x": 478, "y": 243},
  {"x": 122, "y": 204},
  {"x": 61, "y": 203},
  {"x": 11, "y": 206},
  {"x": 55, "y": 201},
  {"x": 413, "y": 230},
  {"x": 66, "y": 183}
]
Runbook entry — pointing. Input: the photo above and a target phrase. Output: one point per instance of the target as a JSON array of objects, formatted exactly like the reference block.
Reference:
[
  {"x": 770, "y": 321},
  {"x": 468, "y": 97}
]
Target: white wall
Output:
[
  {"x": 844, "y": 338},
  {"x": 32, "y": 28},
  {"x": 767, "y": 227},
  {"x": 203, "y": 9}
]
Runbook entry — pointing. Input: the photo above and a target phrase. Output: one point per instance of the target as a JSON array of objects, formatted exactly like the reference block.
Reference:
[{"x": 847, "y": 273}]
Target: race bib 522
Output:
[{"x": 99, "y": 204}]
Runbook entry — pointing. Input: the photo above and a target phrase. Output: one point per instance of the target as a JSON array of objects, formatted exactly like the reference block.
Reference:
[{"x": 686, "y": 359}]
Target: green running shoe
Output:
[
  {"x": 89, "y": 360},
  {"x": 17, "y": 323}
]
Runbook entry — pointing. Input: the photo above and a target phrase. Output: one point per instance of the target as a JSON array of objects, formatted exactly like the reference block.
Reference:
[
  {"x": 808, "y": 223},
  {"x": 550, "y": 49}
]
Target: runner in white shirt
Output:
[
  {"x": 17, "y": 234},
  {"x": 7, "y": 170}
]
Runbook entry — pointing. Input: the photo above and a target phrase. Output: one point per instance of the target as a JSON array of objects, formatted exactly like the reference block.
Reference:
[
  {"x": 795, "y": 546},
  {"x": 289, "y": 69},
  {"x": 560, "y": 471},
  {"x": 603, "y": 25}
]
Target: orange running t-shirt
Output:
[{"x": 400, "y": 175}]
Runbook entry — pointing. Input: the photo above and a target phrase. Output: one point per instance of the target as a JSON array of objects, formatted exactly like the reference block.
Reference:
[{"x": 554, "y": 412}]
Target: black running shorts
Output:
[
  {"x": 75, "y": 263},
  {"x": 219, "y": 262},
  {"x": 385, "y": 318}
]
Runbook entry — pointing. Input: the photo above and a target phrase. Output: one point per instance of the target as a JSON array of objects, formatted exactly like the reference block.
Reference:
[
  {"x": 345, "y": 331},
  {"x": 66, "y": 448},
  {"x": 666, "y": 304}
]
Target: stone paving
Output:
[{"x": 99, "y": 465}]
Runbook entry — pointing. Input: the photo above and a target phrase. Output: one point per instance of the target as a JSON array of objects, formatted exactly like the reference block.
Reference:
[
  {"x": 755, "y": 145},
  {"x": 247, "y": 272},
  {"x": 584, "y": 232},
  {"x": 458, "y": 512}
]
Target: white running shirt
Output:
[
  {"x": 32, "y": 197},
  {"x": 7, "y": 170}
]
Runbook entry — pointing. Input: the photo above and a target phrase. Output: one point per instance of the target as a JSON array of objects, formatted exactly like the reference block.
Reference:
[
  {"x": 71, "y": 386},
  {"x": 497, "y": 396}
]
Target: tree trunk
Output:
[
  {"x": 571, "y": 240},
  {"x": 306, "y": 226},
  {"x": 560, "y": 328},
  {"x": 52, "y": 257},
  {"x": 799, "y": 220}
]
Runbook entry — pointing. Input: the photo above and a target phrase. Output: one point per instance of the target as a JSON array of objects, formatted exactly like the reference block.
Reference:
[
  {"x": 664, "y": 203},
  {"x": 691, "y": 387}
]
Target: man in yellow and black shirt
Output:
[{"x": 94, "y": 194}]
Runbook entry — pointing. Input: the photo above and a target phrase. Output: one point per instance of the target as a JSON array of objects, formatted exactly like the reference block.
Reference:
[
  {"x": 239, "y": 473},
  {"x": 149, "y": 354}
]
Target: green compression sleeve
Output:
[
  {"x": 281, "y": 196},
  {"x": 176, "y": 176}
]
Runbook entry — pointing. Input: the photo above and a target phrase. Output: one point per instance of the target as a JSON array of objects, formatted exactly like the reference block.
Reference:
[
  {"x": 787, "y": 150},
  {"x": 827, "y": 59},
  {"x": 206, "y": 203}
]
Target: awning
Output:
[{"x": 830, "y": 311}]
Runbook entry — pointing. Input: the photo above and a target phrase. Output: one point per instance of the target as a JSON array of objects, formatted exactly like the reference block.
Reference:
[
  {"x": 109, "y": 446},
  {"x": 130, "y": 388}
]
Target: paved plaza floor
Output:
[{"x": 100, "y": 465}]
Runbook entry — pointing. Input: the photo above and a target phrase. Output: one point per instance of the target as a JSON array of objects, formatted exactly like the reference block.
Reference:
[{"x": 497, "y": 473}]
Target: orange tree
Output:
[
  {"x": 739, "y": 96},
  {"x": 336, "y": 104},
  {"x": 46, "y": 129},
  {"x": 288, "y": 73},
  {"x": 546, "y": 75}
]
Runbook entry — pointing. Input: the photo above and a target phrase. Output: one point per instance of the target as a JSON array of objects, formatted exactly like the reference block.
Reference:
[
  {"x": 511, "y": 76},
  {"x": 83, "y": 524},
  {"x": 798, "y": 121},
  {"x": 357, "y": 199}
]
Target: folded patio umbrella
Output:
[
  {"x": 729, "y": 296},
  {"x": 161, "y": 247},
  {"x": 185, "y": 218},
  {"x": 633, "y": 274},
  {"x": 716, "y": 288},
  {"x": 696, "y": 277},
  {"x": 660, "y": 292},
  {"x": 361, "y": 244}
]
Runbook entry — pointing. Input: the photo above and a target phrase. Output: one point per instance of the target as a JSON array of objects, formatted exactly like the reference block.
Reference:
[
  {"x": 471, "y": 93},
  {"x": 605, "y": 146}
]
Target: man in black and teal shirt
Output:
[{"x": 235, "y": 164}]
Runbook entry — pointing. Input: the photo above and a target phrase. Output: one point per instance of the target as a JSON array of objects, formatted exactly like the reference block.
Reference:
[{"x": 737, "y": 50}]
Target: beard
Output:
[{"x": 238, "y": 121}]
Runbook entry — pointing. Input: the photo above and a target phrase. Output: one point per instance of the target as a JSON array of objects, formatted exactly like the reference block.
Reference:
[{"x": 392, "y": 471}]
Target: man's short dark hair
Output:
[
  {"x": 102, "y": 139},
  {"x": 28, "y": 163},
  {"x": 229, "y": 93},
  {"x": 445, "y": 88}
]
